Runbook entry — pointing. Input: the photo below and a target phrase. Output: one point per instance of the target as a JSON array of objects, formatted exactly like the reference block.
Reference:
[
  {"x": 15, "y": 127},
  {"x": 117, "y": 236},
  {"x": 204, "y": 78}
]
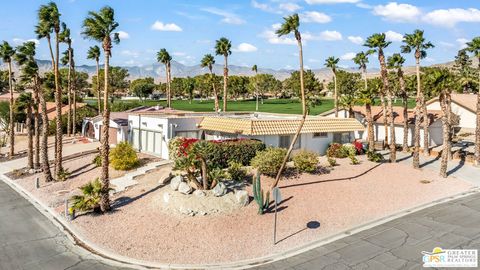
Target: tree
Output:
[
  {"x": 311, "y": 84},
  {"x": 266, "y": 83},
  {"x": 348, "y": 86},
  {"x": 396, "y": 61},
  {"x": 208, "y": 61},
  {"x": 223, "y": 47},
  {"x": 189, "y": 86},
  {"x": 255, "y": 70},
  {"x": 6, "y": 54},
  {"x": 94, "y": 54},
  {"x": 164, "y": 57},
  {"x": 25, "y": 103},
  {"x": 142, "y": 88},
  {"x": 237, "y": 86},
  {"x": 331, "y": 62},
  {"x": 100, "y": 26},
  {"x": 67, "y": 59},
  {"x": 463, "y": 69},
  {"x": 291, "y": 25},
  {"x": 377, "y": 43},
  {"x": 416, "y": 43},
  {"x": 361, "y": 59},
  {"x": 48, "y": 22},
  {"x": 474, "y": 47},
  {"x": 117, "y": 81}
]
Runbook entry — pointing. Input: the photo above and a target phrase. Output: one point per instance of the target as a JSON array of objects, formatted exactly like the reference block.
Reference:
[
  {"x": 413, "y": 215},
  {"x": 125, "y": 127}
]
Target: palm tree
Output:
[
  {"x": 255, "y": 69},
  {"x": 208, "y": 61},
  {"x": 100, "y": 26},
  {"x": 396, "y": 62},
  {"x": 416, "y": 42},
  {"x": 223, "y": 47},
  {"x": 377, "y": 44},
  {"x": 94, "y": 54},
  {"x": 67, "y": 60},
  {"x": 361, "y": 59},
  {"x": 164, "y": 57},
  {"x": 291, "y": 25},
  {"x": 25, "y": 103},
  {"x": 48, "y": 22},
  {"x": 331, "y": 62},
  {"x": 6, "y": 54},
  {"x": 25, "y": 57},
  {"x": 474, "y": 47}
]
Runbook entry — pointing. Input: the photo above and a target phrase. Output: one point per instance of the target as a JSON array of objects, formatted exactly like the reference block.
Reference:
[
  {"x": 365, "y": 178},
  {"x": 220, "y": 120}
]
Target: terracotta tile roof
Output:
[
  {"x": 252, "y": 126},
  {"x": 52, "y": 111},
  {"x": 468, "y": 101},
  {"x": 377, "y": 113}
]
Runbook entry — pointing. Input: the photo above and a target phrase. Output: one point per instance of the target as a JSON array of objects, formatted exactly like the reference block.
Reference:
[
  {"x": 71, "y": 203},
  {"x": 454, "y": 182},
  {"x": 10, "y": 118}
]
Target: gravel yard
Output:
[{"x": 346, "y": 197}]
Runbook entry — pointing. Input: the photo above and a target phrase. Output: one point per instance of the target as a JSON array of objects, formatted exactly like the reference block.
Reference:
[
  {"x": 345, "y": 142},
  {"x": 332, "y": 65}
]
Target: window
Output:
[
  {"x": 187, "y": 134},
  {"x": 320, "y": 135},
  {"x": 341, "y": 137},
  {"x": 286, "y": 140}
]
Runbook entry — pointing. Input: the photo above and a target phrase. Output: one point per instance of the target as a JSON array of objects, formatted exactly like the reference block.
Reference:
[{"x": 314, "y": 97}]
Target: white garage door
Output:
[
  {"x": 135, "y": 137},
  {"x": 150, "y": 141}
]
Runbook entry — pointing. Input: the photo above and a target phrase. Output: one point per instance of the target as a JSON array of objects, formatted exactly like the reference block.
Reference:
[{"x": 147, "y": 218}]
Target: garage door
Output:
[
  {"x": 150, "y": 141},
  {"x": 135, "y": 139},
  {"x": 112, "y": 135}
]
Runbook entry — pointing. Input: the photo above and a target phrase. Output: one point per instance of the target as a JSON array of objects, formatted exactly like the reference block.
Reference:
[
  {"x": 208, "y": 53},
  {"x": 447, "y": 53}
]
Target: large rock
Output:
[
  {"x": 242, "y": 197},
  {"x": 184, "y": 188},
  {"x": 219, "y": 190},
  {"x": 175, "y": 182},
  {"x": 199, "y": 193}
]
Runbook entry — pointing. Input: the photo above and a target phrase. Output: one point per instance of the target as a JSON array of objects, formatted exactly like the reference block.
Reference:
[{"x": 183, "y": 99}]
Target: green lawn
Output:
[{"x": 270, "y": 105}]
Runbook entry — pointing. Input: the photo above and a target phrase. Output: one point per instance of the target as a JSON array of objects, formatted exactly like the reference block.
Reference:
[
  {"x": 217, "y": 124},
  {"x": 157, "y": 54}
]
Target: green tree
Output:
[
  {"x": 223, "y": 47},
  {"x": 265, "y": 83},
  {"x": 164, "y": 57},
  {"x": 100, "y": 26},
  {"x": 94, "y": 54},
  {"x": 474, "y": 47},
  {"x": 331, "y": 63},
  {"x": 238, "y": 86},
  {"x": 361, "y": 59},
  {"x": 25, "y": 103},
  {"x": 142, "y": 88},
  {"x": 463, "y": 69},
  {"x": 189, "y": 86},
  {"x": 208, "y": 61},
  {"x": 6, "y": 54},
  {"x": 348, "y": 86},
  {"x": 117, "y": 81},
  {"x": 67, "y": 59},
  {"x": 416, "y": 43}
]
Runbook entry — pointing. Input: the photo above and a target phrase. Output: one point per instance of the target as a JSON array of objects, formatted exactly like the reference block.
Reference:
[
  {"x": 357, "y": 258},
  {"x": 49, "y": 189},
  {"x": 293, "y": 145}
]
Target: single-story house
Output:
[
  {"x": 435, "y": 132},
  {"x": 464, "y": 106}
]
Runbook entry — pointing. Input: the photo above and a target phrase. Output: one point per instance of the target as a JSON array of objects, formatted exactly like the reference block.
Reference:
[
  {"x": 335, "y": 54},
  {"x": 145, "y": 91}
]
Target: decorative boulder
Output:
[
  {"x": 199, "y": 193},
  {"x": 175, "y": 182},
  {"x": 242, "y": 197},
  {"x": 184, "y": 188},
  {"x": 219, "y": 190}
]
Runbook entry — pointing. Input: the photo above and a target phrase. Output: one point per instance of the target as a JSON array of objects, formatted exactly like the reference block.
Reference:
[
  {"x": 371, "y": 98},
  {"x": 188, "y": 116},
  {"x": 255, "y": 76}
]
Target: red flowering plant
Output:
[{"x": 359, "y": 147}]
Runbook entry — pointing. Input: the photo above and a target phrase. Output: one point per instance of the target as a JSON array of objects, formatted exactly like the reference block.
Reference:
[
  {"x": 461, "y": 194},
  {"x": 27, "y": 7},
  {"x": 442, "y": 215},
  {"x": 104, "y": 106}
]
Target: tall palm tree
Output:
[
  {"x": 361, "y": 59},
  {"x": 208, "y": 61},
  {"x": 94, "y": 54},
  {"x": 164, "y": 57},
  {"x": 6, "y": 54},
  {"x": 396, "y": 61},
  {"x": 377, "y": 43},
  {"x": 223, "y": 47},
  {"x": 291, "y": 25},
  {"x": 25, "y": 57},
  {"x": 331, "y": 62},
  {"x": 67, "y": 60},
  {"x": 48, "y": 23},
  {"x": 100, "y": 26},
  {"x": 255, "y": 70},
  {"x": 25, "y": 103},
  {"x": 416, "y": 42},
  {"x": 474, "y": 47}
]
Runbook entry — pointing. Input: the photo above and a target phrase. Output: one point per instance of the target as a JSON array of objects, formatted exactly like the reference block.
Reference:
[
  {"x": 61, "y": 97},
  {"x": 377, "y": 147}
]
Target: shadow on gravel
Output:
[{"x": 310, "y": 225}]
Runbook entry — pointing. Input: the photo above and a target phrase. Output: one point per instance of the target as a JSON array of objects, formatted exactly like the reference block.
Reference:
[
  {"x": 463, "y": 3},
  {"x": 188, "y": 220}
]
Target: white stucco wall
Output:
[
  {"x": 435, "y": 134},
  {"x": 467, "y": 117}
]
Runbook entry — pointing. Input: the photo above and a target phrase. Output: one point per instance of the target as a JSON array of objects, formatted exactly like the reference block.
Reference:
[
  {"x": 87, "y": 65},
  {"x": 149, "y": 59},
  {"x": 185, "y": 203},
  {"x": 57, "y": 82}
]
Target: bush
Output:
[
  {"x": 349, "y": 149},
  {"x": 178, "y": 146},
  {"x": 90, "y": 198},
  {"x": 374, "y": 156},
  {"x": 123, "y": 157},
  {"x": 235, "y": 171},
  {"x": 63, "y": 175},
  {"x": 334, "y": 150},
  {"x": 337, "y": 150},
  {"x": 268, "y": 161},
  {"x": 332, "y": 162},
  {"x": 359, "y": 147},
  {"x": 354, "y": 160},
  {"x": 306, "y": 161},
  {"x": 97, "y": 160}
]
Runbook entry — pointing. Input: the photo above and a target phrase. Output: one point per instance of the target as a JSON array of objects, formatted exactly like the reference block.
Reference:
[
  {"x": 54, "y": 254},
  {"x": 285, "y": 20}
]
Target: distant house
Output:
[{"x": 464, "y": 106}]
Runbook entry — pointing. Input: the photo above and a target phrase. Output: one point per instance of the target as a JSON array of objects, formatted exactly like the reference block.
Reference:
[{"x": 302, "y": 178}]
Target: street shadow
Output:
[
  {"x": 280, "y": 207},
  {"x": 81, "y": 170},
  {"x": 312, "y": 225},
  {"x": 460, "y": 164},
  {"x": 122, "y": 201},
  {"x": 405, "y": 158},
  {"x": 430, "y": 161}
]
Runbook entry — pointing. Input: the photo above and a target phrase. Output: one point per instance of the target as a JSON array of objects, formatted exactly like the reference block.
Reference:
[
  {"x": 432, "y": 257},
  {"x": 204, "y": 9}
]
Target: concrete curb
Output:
[{"x": 115, "y": 259}]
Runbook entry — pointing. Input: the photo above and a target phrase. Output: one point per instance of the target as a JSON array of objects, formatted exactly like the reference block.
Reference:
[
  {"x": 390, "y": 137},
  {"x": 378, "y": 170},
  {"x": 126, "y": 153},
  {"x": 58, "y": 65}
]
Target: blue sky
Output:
[{"x": 188, "y": 29}]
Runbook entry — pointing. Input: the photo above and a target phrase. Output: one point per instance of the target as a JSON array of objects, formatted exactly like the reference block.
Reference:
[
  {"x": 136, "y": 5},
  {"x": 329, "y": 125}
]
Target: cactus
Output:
[{"x": 258, "y": 195}]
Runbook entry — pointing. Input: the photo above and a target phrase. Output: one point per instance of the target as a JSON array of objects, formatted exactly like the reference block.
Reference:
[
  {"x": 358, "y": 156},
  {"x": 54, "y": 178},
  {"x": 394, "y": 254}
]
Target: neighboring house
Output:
[
  {"x": 464, "y": 106},
  {"x": 435, "y": 132}
]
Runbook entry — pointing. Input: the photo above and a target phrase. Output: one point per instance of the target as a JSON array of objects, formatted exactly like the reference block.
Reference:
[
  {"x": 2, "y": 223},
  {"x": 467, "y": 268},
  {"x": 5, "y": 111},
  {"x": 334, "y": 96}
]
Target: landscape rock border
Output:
[{"x": 115, "y": 259}]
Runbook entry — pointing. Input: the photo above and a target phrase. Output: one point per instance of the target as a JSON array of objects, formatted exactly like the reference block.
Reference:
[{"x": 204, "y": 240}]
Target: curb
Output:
[{"x": 109, "y": 257}]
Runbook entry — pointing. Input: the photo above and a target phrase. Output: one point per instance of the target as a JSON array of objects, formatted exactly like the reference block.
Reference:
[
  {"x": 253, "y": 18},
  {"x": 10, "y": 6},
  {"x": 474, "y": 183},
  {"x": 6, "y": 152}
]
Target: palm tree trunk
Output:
[
  {"x": 215, "y": 94},
  {"x": 105, "y": 147},
  {"x": 169, "y": 74},
  {"x": 74, "y": 93},
  {"x": 426, "y": 123},
  {"x": 44, "y": 147},
  {"x": 36, "y": 117},
  {"x": 335, "y": 95},
  {"x": 99, "y": 101},
  {"x": 167, "y": 86},
  {"x": 58, "y": 105},
  {"x": 444, "y": 103},
  {"x": 371, "y": 139},
  {"x": 477, "y": 128},
  {"x": 304, "y": 114},
  {"x": 385, "y": 124},
  {"x": 405, "y": 109},
  {"x": 225, "y": 82},
  {"x": 11, "y": 120},
  {"x": 69, "y": 93},
  {"x": 393, "y": 145},
  {"x": 416, "y": 136},
  {"x": 30, "y": 136}
]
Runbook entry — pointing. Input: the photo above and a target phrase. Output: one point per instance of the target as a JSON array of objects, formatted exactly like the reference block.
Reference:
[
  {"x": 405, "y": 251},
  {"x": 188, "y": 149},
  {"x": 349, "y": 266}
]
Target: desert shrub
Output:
[
  {"x": 337, "y": 150},
  {"x": 359, "y": 147},
  {"x": 354, "y": 160},
  {"x": 97, "y": 160},
  {"x": 178, "y": 146},
  {"x": 235, "y": 171},
  {"x": 332, "y": 161},
  {"x": 306, "y": 161},
  {"x": 63, "y": 175},
  {"x": 268, "y": 161},
  {"x": 374, "y": 156},
  {"x": 123, "y": 157},
  {"x": 241, "y": 151},
  {"x": 334, "y": 150},
  {"x": 216, "y": 175},
  {"x": 348, "y": 149},
  {"x": 90, "y": 198}
]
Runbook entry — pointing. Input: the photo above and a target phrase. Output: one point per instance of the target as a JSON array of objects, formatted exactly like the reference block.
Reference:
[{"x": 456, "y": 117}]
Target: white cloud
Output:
[
  {"x": 160, "y": 26},
  {"x": 330, "y": 35},
  {"x": 315, "y": 17},
  {"x": 179, "y": 53},
  {"x": 130, "y": 53},
  {"x": 446, "y": 44},
  {"x": 356, "y": 40},
  {"x": 245, "y": 47},
  {"x": 462, "y": 42},
  {"x": 313, "y": 2},
  {"x": 397, "y": 12},
  {"x": 272, "y": 38},
  {"x": 263, "y": 6},
  {"x": 393, "y": 36},
  {"x": 348, "y": 56},
  {"x": 363, "y": 5},
  {"x": 290, "y": 7},
  {"x": 20, "y": 41},
  {"x": 228, "y": 17},
  {"x": 450, "y": 17},
  {"x": 311, "y": 60},
  {"x": 123, "y": 35}
]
